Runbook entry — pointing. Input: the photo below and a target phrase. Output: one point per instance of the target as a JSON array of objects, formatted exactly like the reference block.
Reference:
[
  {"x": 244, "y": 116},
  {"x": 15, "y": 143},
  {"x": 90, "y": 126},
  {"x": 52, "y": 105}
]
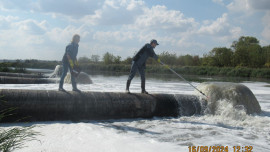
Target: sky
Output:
[{"x": 41, "y": 29}]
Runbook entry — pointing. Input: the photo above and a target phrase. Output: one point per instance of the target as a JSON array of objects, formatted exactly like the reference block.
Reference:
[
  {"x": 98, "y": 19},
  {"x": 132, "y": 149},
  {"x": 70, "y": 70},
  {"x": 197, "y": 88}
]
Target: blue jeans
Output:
[
  {"x": 133, "y": 71},
  {"x": 64, "y": 73}
]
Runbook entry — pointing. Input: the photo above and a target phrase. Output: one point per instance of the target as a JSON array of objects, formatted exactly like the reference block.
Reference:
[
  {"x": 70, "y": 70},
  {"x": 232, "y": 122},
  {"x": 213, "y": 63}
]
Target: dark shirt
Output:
[
  {"x": 144, "y": 53},
  {"x": 72, "y": 51}
]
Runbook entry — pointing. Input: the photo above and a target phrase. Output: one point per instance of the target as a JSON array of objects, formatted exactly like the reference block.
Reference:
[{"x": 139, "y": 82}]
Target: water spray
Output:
[{"x": 183, "y": 79}]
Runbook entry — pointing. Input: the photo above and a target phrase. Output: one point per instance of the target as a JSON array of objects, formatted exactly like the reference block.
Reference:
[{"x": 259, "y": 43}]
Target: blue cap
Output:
[{"x": 154, "y": 41}]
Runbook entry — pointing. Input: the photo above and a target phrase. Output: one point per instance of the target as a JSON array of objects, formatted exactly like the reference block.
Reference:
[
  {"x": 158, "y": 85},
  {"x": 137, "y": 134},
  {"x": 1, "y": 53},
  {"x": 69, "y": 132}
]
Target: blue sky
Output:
[{"x": 40, "y": 29}]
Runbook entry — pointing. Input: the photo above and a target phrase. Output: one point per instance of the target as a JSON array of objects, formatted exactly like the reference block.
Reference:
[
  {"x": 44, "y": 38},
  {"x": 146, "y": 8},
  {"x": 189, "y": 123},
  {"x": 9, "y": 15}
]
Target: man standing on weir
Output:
[
  {"x": 138, "y": 63},
  {"x": 70, "y": 62}
]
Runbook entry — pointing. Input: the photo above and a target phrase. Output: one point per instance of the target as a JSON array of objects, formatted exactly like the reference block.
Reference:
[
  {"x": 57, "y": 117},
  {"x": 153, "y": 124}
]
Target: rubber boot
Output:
[
  {"x": 74, "y": 84},
  {"x": 143, "y": 87},
  {"x": 74, "y": 87},
  {"x": 127, "y": 86},
  {"x": 61, "y": 86}
]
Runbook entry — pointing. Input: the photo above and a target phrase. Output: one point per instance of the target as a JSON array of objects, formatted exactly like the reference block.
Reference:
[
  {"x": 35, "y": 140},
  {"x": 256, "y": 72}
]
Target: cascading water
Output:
[
  {"x": 190, "y": 105},
  {"x": 83, "y": 78},
  {"x": 57, "y": 72},
  {"x": 224, "y": 97}
]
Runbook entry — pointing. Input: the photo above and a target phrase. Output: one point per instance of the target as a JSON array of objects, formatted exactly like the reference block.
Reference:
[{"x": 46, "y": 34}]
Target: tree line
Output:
[{"x": 244, "y": 52}]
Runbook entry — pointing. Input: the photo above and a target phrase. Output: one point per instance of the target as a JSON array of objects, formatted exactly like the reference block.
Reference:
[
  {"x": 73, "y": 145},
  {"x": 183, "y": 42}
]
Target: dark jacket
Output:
[
  {"x": 144, "y": 53},
  {"x": 72, "y": 51}
]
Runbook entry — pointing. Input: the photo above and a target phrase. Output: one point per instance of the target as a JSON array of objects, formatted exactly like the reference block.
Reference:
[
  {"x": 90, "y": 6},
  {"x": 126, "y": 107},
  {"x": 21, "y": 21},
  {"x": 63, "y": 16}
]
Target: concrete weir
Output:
[{"x": 43, "y": 105}]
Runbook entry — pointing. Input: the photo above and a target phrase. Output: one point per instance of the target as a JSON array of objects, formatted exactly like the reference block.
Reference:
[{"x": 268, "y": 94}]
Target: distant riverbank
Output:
[
  {"x": 186, "y": 70},
  {"x": 152, "y": 68}
]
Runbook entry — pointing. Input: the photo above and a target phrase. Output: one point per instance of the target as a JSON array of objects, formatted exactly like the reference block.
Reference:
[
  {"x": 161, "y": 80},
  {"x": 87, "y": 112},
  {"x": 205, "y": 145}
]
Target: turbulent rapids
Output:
[{"x": 238, "y": 95}]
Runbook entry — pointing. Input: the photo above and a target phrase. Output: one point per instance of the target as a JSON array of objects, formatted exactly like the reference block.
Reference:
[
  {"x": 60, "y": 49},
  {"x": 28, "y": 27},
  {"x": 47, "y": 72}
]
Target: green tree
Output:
[
  {"x": 257, "y": 59},
  {"x": 221, "y": 57},
  {"x": 84, "y": 60},
  {"x": 244, "y": 41},
  {"x": 208, "y": 60},
  {"x": 128, "y": 60},
  {"x": 186, "y": 60},
  {"x": 196, "y": 60},
  {"x": 108, "y": 58},
  {"x": 95, "y": 58},
  {"x": 168, "y": 58},
  {"x": 117, "y": 59},
  {"x": 242, "y": 54},
  {"x": 266, "y": 53}
]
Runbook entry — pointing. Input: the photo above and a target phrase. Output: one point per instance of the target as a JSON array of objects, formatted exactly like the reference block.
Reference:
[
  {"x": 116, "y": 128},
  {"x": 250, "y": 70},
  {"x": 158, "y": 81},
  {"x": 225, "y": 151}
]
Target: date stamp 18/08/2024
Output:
[{"x": 220, "y": 149}]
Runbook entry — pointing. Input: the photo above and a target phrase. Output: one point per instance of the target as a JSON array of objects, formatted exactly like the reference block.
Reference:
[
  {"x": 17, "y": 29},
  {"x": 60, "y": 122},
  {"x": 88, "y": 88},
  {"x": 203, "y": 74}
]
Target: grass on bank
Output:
[{"x": 14, "y": 138}]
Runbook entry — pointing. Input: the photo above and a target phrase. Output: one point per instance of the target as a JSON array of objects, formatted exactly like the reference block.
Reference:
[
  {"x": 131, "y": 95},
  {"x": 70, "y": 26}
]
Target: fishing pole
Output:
[{"x": 183, "y": 79}]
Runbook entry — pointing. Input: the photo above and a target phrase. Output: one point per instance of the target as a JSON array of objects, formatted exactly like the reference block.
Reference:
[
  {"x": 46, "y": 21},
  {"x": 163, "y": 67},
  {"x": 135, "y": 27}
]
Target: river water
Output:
[{"x": 230, "y": 128}]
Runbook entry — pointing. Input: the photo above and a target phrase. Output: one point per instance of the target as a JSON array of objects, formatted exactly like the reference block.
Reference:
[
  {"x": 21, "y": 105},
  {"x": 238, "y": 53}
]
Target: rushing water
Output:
[{"x": 229, "y": 127}]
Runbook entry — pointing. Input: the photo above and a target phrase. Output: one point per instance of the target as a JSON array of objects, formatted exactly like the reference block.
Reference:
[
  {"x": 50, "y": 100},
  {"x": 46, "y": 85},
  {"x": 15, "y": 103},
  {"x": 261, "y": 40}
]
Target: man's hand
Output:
[
  {"x": 76, "y": 71},
  {"x": 71, "y": 63},
  {"x": 76, "y": 63}
]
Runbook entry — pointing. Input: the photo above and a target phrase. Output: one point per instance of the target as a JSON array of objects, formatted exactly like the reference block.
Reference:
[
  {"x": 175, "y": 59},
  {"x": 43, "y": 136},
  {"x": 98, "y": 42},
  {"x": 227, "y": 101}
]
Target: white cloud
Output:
[
  {"x": 249, "y": 8},
  {"x": 34, "y": 39},
  {"x": 239, "y": 6},
  {"x": 157, "y": 22},
  {"x": 115, "y": 12},
  {"x": 113, "y": 36},
  {"x": 121, "y": 26},
  {"x": 64, "y": 35},
  {"x": 19, "y": 44},
  {"x": 233, "y": 34},
  {"x": 5, "y": 21},
  {"x": 215, "y": 27},
  {"x": 220, "y": 31},
  {"x": 135, "y": 4},
  {"x": 23, "y": 32},
  {"x": 160, "y": 18},
  {"x": 236, "y": 32},
  {"x": 32, "y": 27}
]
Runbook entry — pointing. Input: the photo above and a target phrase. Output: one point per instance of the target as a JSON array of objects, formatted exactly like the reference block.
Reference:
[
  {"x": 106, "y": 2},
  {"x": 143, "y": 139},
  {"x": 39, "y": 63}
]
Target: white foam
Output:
[
  {"x": 73, "y": 137},
  {"x": 228, "y": 127}
]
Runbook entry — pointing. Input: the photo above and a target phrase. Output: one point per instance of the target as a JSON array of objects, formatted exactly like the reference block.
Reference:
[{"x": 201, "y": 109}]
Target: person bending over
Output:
[{"x": 138, "y": 63}]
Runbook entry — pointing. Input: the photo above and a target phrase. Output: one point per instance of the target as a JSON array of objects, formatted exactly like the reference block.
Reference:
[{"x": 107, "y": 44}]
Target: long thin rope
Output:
[{"x": 184, "y": 79}]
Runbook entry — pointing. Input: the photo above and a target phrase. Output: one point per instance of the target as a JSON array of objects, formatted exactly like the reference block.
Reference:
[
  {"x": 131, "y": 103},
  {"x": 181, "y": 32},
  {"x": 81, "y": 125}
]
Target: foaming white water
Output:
[
  {"x": 93, "y": 136},
  {"x": 229, "y": 126},
  {"x": 238, "y": 95},
  {"x": 57, "y": 72}
]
